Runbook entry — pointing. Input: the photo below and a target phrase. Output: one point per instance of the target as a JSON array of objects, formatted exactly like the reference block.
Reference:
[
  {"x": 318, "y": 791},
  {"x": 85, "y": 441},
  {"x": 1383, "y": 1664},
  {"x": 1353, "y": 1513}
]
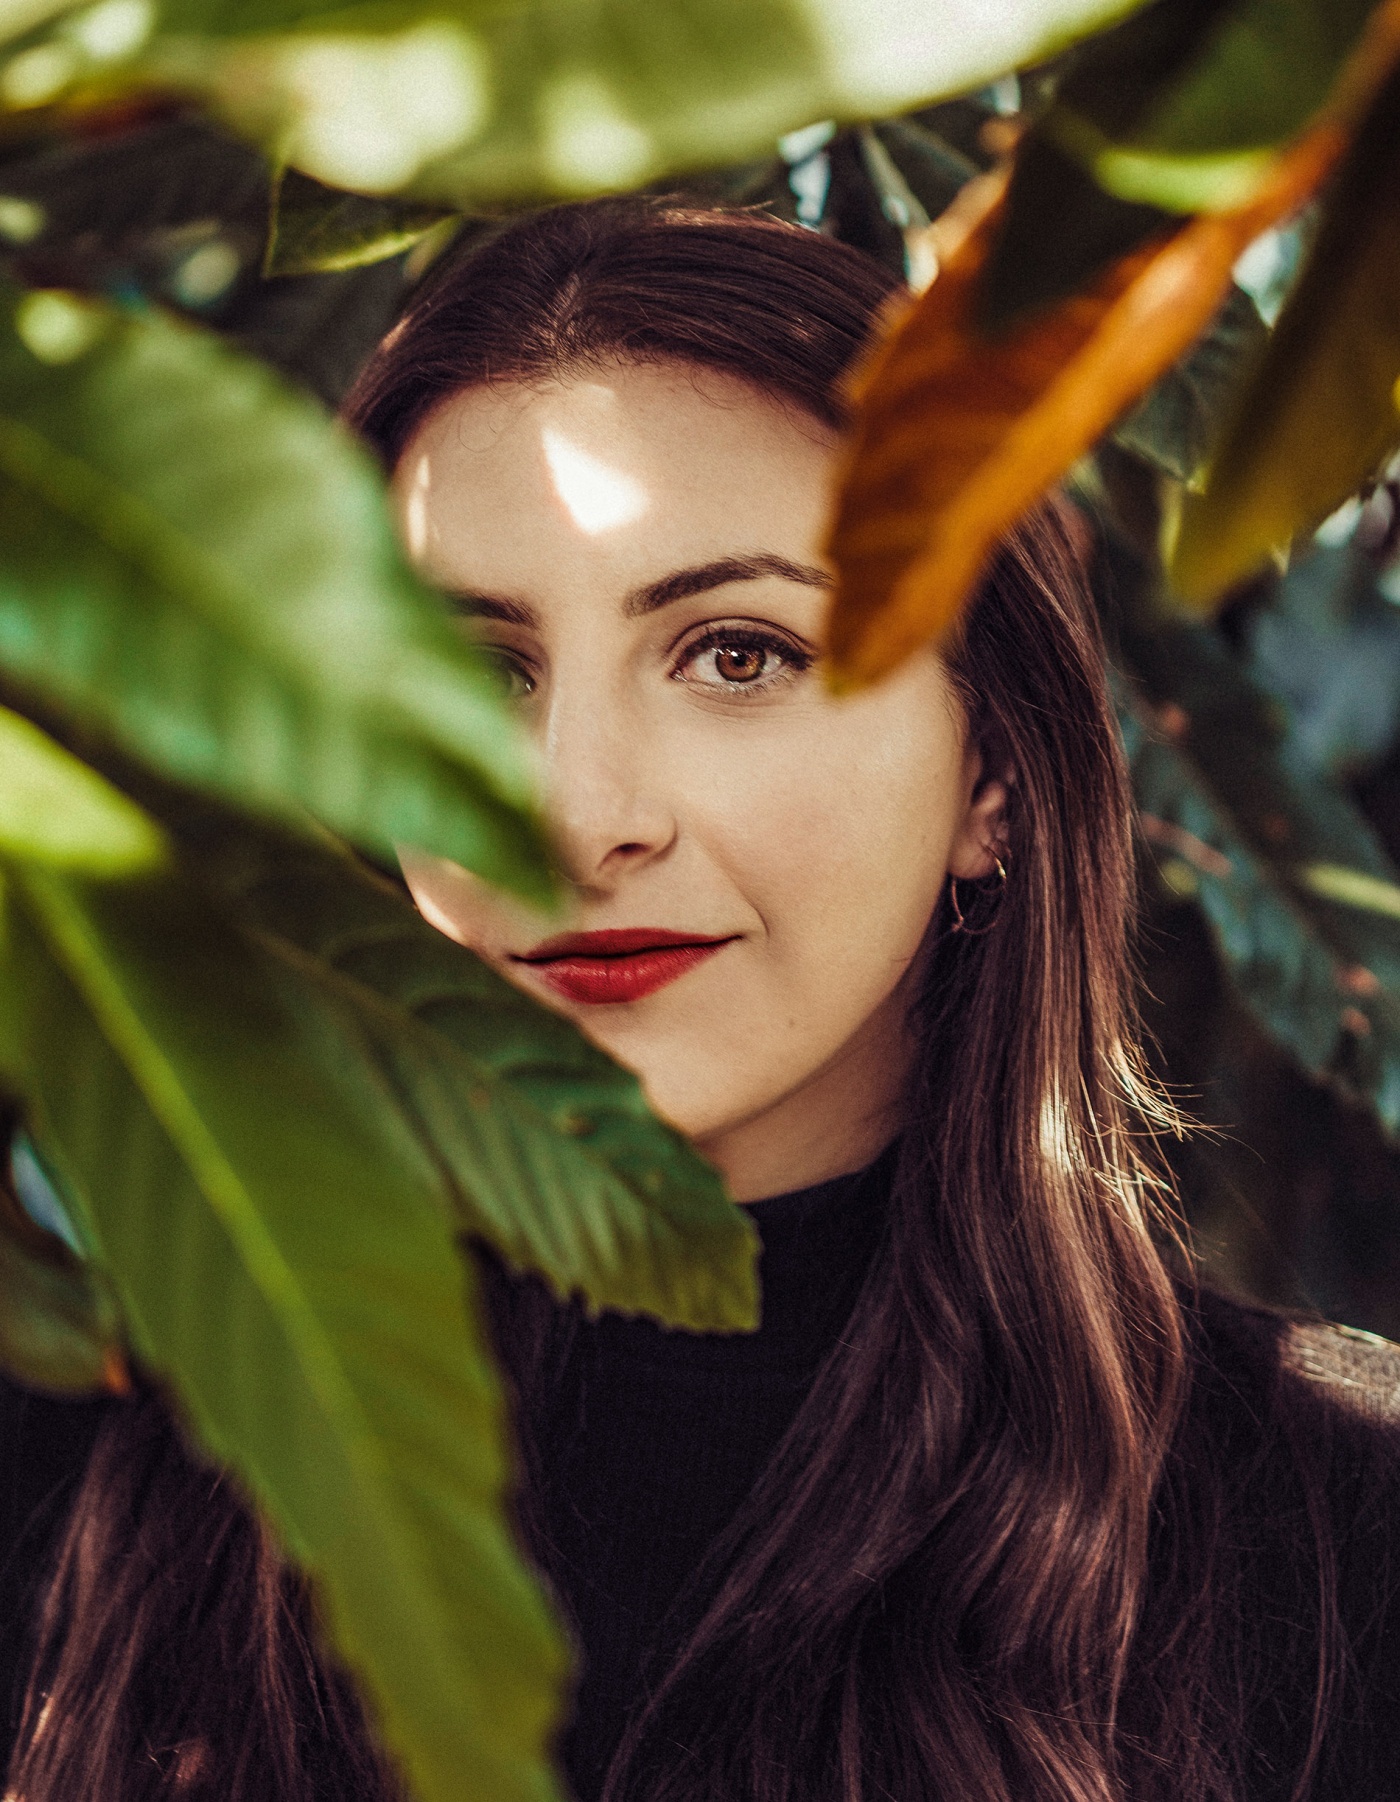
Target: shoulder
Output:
[
  {"x": 1295, "y": 1424},
  {"x": 1286, "y": 1477},
  {"x": 1270, "y": 1360},
  {"x": 1355, "y": 1371}
]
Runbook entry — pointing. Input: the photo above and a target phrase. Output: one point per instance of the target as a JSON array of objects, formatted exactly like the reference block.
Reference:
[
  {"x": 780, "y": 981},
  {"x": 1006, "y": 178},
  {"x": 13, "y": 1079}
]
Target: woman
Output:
[{"x": 992, "y": 1508}]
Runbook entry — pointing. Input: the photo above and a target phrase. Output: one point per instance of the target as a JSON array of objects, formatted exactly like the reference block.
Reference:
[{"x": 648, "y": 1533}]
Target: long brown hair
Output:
[{"x": 943, "y": 1584}]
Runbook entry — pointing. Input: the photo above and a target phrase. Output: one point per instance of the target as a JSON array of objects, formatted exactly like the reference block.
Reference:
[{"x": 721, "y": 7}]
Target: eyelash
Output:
[{"x": 748, "y": 638}]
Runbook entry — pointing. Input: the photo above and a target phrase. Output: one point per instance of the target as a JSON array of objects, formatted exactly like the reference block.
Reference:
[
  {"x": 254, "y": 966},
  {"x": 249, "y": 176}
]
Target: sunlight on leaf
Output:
[
  {"x": 364, "y": 112},
  {"x": 532, "y": 100},
  {"x": 1352, "y": 888},
  {"x": 196, "y": 563},
  {"x": 315, "y": 228},
  {"x": 55, "y": 810},
  {"x": 958, "y": 432}
]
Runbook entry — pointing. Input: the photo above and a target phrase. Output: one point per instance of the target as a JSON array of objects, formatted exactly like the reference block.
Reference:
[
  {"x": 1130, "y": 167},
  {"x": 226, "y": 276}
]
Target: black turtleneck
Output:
[{"x": 653, "y": 1439}]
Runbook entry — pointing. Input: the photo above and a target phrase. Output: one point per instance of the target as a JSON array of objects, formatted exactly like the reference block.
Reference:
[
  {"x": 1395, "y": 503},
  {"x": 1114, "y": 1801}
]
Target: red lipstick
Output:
[{"x": 620, "y": 965}]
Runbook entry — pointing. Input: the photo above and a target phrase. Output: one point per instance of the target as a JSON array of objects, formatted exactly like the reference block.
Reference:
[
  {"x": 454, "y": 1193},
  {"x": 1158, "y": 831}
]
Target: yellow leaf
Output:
[{"x": 958, "y": 433}]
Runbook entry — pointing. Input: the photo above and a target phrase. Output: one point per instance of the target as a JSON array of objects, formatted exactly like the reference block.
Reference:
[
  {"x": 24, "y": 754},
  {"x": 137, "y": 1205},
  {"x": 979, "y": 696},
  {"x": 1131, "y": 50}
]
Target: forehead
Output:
[{"x": 626, "y": 471}]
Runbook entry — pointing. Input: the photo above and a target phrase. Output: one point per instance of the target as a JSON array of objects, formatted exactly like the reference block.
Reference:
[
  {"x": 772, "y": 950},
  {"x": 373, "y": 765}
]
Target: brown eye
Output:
[{"x": 740, "y": 662}]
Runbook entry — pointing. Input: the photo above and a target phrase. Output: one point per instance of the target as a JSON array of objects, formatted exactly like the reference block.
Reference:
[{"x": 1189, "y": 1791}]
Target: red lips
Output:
[{"x": 621, "y": 965}]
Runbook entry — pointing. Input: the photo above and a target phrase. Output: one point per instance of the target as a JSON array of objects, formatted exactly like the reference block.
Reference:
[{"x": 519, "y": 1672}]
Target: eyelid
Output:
[
  {"x": 704, "y": 632},
  {"x": 797, "y": 656}
]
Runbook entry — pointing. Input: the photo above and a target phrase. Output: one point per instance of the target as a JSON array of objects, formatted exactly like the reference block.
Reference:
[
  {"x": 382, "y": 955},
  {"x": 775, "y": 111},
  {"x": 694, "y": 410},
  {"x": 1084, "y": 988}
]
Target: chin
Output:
[{"x": 677, "y": 1089}]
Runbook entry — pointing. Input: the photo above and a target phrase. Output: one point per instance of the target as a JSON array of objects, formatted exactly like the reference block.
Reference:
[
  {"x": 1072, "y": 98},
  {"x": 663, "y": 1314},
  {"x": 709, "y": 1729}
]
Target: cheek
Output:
[
  {"x": 458, "y": 903},
  {"x": 839, "y": 834}
]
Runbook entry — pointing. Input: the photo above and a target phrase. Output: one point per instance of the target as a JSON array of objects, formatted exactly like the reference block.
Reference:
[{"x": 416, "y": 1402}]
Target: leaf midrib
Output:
[{"x": 172, "y": 1106}]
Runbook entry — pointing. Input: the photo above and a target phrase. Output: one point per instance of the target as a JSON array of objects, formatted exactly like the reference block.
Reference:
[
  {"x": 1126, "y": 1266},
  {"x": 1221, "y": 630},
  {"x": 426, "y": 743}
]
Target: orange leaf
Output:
[{"x": 957, "y": 434}]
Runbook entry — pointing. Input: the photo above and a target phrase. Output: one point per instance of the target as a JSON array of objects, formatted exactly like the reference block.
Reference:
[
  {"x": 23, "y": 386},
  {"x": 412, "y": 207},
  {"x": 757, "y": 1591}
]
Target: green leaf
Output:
[
  {"x": 1176, "y": 425},
  {"x": 1259, "y": 75},
  {"x": 196, "y": 563},
  {"x": 283, "y": 1252},
  {"x": 1353, "y": 888},
  {"x": 54, "y": 809},
  {"x": 472, "y": 105},
  {"x": 1247, "y": 832},
  {"x": 1176, "y": 110},
  {"x": 59, "y": 1326},
  {"x": 318, "y": 228},
  {"x": 1321, "y": 413},
  {"x": 1181, "y": 106},
  {"x": 547, "y": 1147},
  {"x": 1296, "y": 983},
  {"x": 934, "y": 168}
]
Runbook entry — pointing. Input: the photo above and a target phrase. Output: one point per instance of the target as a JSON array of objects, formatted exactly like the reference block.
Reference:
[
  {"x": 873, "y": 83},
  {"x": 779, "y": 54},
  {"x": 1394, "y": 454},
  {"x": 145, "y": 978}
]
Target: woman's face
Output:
[{"x": 638, "y": 547}]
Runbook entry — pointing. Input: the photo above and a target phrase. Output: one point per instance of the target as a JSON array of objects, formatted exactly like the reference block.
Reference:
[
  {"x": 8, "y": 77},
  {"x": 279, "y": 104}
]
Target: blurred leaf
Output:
[
  {"x": 1260, "y": 74},
  {"x": 547, "y": 1147},
  {"x": 1176, "y": 110},
  {"x": 1353, "y": 888},
  {"x": 318, "y": 228},
  {"x": 55, "y": 810},
  {"x": 177, "y": 211},
  {"x": 59, "y": 1328},
  {"x": 198, "y": 564},
  {"x": 1182, "y": 105},
  {"x": 281, "y": 1250},
  {"x": 1176, "y": 424},
  {"x": 476, "y": 106},
  {"x": 1332, "y": 1014},
  {"x": 1321, "y": 973},
  {"x": 1321, "y": 413},
  {"x": 957, "y": 432}
]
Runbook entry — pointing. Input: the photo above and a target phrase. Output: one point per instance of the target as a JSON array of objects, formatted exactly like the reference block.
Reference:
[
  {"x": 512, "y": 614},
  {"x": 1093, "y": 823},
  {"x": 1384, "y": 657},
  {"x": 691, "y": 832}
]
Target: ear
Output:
[{"x": 981, "y": 835}]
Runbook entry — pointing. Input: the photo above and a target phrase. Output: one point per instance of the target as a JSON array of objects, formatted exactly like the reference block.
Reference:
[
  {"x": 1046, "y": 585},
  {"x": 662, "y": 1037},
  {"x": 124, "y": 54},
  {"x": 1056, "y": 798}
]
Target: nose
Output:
[{"x": 604, "y": 791}]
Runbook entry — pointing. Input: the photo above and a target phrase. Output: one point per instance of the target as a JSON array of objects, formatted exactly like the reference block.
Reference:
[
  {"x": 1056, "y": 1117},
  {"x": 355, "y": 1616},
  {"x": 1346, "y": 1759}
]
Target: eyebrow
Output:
[{"x": 680, "y": 585}]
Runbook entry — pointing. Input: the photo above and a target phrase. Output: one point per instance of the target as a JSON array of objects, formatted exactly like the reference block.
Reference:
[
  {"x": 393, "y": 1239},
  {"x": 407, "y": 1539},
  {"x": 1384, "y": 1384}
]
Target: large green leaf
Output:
[
  {"x": 546, "y": 1145},
  {"x": 283, "y": 1252},
  {"x": 1177, "y": 109},
  {"x": 1320, "y": 414},
  {"x": 472, "y": 103},
  {"x": 1181, "y": 106},
  {"x": 196, "y": 564}
]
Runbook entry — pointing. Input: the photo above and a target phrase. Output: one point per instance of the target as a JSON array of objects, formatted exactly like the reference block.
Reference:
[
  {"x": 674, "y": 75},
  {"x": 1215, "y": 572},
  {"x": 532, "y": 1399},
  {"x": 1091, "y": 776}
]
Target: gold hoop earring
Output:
[{"x": 992, "y": 896}]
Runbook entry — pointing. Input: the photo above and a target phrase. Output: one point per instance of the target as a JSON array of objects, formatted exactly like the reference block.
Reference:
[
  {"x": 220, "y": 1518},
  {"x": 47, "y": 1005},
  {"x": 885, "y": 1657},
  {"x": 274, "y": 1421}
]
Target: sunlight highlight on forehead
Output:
[{"x": 597, "y": 497}]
